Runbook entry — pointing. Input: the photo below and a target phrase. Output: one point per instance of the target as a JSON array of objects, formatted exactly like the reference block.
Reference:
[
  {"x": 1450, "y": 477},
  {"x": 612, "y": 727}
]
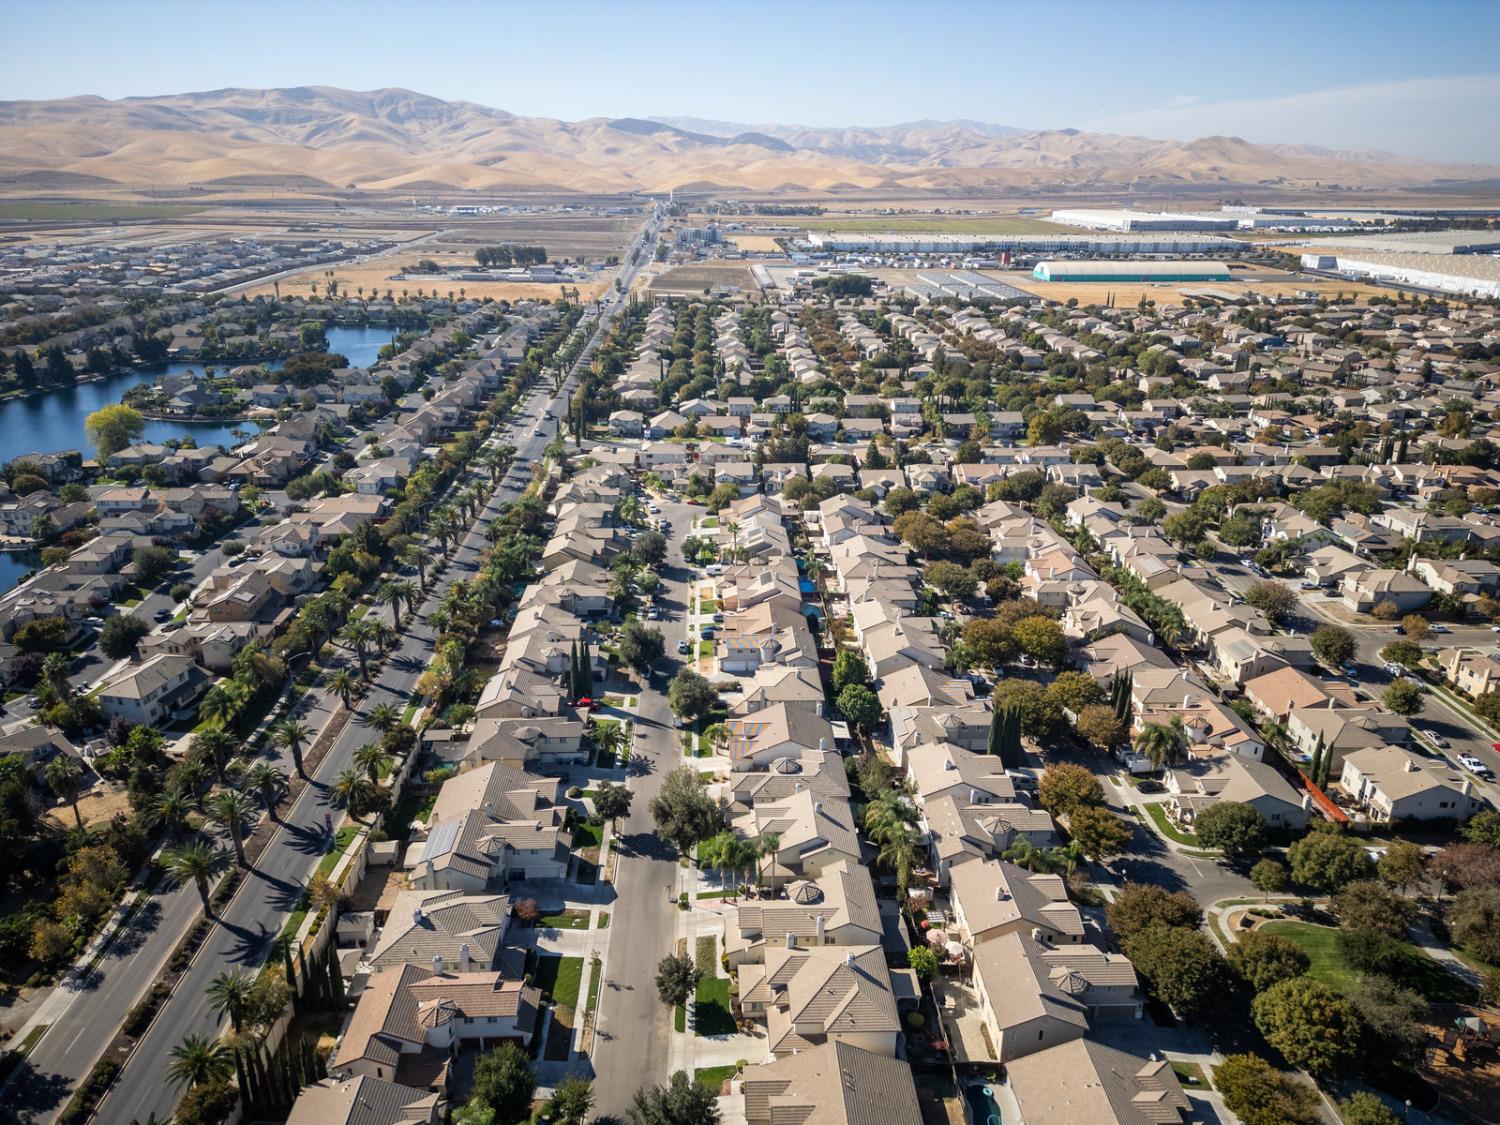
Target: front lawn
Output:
[
  {"x": 560, "y": 977},
  {"x": 567, "y": 920},
  {"x": 1418, "y": 971},
  {"x": 1159, "y": 818},
  {"x": 714, "y": 1077}
]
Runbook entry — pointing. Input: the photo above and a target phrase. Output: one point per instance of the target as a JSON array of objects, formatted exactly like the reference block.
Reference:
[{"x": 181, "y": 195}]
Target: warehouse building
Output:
[
  {"x": 1087, "y": 270},
  {"x": 1476, "y": 275},
  {"x": 1419, "y": 242},
  {"x": 1095, "y": 245},
  {"x": 1132, "y": 221}
]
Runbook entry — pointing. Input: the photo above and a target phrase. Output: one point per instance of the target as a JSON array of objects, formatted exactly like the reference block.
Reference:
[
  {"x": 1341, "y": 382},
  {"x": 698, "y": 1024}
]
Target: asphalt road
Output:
[
  {"x": 633, "y": 1027},
  {"x": 252, "y": 919}
]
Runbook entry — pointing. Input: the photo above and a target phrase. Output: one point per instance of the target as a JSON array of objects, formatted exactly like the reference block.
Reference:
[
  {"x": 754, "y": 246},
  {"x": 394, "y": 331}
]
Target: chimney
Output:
[
  {"x": 1000, "y": 895},
  {"x": 417, "y": 917},
  {"x": 822, "y": 926},
  {"x": 822, "y": 742},
  {"x": 1410, "y": 765},
  {"x": 1306, "y": 802},
  {"x": 489, "y": 808},
  {"x": 1467, "y": 788},
  {"x": 464, "y": 961},
  {"x": 791, "y": 942},
  {"x": 849, "y": 957},
  {"x": 437, "y": 963}
]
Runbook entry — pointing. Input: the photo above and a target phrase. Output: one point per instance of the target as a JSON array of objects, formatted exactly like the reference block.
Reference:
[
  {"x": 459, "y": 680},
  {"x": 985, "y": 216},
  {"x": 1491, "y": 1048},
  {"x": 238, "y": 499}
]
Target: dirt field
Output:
[
  {"x": 378, "y": 274},
  {"x": 1170, "y": 293},
  {"x": 98, "y": 806},
  {"x": 694, "y": 278},
  {"x": 755, "y": 242}
]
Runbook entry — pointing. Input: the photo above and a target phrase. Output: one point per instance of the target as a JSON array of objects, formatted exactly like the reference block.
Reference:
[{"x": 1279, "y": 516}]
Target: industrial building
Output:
[
  {"x": 1127, "y": 221},
  {"x": 1094, "y": 245},
  {"x": 1131, "y": 221},
  {"x": 1418, "y": 242},
  {"x": 1476, "y": 275},
  {"x": 1086, "y": 270}
]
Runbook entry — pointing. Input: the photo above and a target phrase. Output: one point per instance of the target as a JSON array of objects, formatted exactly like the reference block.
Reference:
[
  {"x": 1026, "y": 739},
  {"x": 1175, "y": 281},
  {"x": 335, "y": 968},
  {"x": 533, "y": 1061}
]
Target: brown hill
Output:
[{"x": 397, "y": 140}]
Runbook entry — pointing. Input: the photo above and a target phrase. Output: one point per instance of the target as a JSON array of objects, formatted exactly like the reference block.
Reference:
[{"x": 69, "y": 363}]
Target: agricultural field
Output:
[{"x": 695, "y": 278}]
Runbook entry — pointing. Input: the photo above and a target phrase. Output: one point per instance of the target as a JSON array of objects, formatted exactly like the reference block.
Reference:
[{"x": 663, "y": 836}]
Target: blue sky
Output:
[{"x": 1421, "y": 79}]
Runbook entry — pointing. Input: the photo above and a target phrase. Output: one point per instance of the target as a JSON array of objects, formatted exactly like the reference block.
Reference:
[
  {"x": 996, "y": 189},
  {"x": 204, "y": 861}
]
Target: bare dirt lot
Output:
[
  {"x": 1171, "y": 293},
  {"x": 380, "y": 273},
  {"x": 695, "y": 278}
]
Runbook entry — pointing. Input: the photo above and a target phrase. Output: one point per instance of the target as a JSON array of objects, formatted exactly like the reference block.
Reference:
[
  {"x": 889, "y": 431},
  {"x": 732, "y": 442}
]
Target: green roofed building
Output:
[{"x": 1114, "y": 270}]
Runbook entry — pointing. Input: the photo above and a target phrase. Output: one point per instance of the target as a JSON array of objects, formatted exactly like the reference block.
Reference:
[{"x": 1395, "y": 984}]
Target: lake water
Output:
[
  {"x": 46, "y": 423},
  {"x": 14, "y": 566}
]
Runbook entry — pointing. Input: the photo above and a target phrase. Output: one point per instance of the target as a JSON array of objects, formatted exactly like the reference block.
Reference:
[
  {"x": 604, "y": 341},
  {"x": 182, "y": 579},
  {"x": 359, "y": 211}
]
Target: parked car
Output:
[
  {"x": 164, "y": 615},
  {"x": 1394, "y": 669},
  {"x": 1351, "y": 671},
  {"x": 653, "y": 614},
  {"x": 682, "y": 648},
  {"x": 1475, "y": 766},
  {"x": 1433, "y": 737}
]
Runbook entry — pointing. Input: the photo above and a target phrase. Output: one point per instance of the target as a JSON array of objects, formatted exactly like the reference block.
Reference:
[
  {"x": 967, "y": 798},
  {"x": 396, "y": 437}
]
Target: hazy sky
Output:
[{"x": 1415, "y": 78}]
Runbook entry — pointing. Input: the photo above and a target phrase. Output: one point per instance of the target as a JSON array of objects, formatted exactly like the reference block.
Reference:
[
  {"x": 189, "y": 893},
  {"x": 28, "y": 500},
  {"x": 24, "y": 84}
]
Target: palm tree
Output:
[
  {"x": 815, "y": 569},
  {"x": 887, "y": 816},
  {"x": 213, "y": 744},
  {"x": 413, "y": 555},
  {"x": 718, "y": 736},
  {"x": 393, "y": 592},
  {"x": 55, "y": 674},
  {"x": 199, "y": 1059},
  {"x": 372, "y": 758},
  {"x": 220, "y": 704},
  {"x": 169, "y": 812},
  {"x": 232, "y": 810},
  {"x": 269, "y": 782},
  {"x": 899, "y": 853},
  {"x": 290, "y": 735},
  {"x": 356, "y": 635},
  {"x": 199, "y": 861},
  {"x": 383, "y": 716},
  {"x": 345, "y": 683},
  {"x": 65, "y": 776},
  {"x": 609, "y": 738},
  {"x": 190, "y": 777},
  {"x": 733, "y": 528},
  {"x": 230, "y": 993},
  {"x": 350, "y": 790},
  {"x": 1162, "y": 742},
  {"x": 766, "y": 846},
  {"x": 383, "y": 635}
]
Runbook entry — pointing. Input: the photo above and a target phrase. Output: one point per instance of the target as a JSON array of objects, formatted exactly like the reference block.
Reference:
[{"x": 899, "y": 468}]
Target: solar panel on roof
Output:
[{"x": 443, "y": 839}]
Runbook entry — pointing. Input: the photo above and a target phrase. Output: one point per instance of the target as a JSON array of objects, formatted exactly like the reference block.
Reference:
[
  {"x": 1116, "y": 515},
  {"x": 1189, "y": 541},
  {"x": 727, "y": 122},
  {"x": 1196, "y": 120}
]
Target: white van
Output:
[{"x": 713, "y": 570}]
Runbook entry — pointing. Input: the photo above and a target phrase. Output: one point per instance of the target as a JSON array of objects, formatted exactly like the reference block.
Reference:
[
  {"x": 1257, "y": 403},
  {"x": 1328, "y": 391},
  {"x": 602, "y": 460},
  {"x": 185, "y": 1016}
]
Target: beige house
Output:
[
  {"x": 1083, "y": 1082},
  {"x": 1470, "y": 671},
  {"x": 833, "y": 1084},
  {"x": 993, "y": 899},
  {"x": 1392, "y": 785}
]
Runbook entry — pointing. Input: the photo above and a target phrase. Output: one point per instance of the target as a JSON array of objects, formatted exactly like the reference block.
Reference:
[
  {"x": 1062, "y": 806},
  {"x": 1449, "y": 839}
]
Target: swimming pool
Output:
[{"x": 983, "y": 1109}]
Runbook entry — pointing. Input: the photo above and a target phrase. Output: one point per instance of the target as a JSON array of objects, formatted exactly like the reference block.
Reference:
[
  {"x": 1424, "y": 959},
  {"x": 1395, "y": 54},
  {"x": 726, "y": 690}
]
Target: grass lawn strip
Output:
[
  {"x": 711, "y": 1012},
  {"x": 714, "y": 1077},
  {"x": 1327, "y": 963},
  {"x": 1167, "y": 828}
]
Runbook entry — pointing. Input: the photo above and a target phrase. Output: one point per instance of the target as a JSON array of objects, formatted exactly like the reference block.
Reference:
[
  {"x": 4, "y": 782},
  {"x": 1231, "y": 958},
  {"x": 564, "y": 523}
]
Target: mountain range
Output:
[{"x": 320, "y": 138}]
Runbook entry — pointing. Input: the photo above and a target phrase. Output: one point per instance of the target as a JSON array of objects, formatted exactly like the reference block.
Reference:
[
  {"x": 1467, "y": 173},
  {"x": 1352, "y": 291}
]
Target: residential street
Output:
[{"x": 634, "y": 1027}]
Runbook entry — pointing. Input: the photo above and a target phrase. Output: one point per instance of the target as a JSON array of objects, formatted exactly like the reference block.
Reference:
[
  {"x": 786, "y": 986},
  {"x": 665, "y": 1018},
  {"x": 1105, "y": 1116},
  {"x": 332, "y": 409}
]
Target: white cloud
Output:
[
  {"x": 1453, "y": 119},
  {"x": 1184, "y": 99}
]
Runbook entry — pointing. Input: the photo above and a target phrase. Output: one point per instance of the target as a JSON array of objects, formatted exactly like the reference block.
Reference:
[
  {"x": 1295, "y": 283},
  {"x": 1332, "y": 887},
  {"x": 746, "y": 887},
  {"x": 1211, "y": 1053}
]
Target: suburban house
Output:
[
  {"x": 1391, "y": 785},
  {"x": 153, "y": 692}
]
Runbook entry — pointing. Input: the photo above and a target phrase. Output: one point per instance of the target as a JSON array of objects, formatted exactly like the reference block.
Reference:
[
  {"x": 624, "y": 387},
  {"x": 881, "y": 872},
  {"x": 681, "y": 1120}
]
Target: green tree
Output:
[
  {"x": 639, "y": 646},
  {"x": 1099, "y": 833},
  {"x": 612, "y": 801},
  {"x": 1139, "y": 906},
  {"x": 235, "y": 812},
  {"x": 1161, "y": 743},
  {"x": 1100, "y": 726},
  {"x": 1394, "y": 1018},
  {"x": 676, "y": 979},
  {"x": 1263, "y": 959},
  {"x": 950, "y": 579},
  {"x": 1333, "y": 645},
  {"x": 1364, "y": 1108},
  {"x": 690, "y": 695},
  {"x": 861, "y": 707},
  {"x": 1483, "y": 828},
  {"x": 65, "y": 778},
  {"x": 682, "y": 1101},
  {"x": 290, "y": 735},
  {"x": 229, "y": 993},
  {"x": 504, "y": 1082},
  {"x": 111, "y": 428},
  {"x": 1403, "y": 697},
  {"x": 1065, "y": 787},
  {"x": 1327, "y": 860},
  {"x": 571, "y": 1100},
  {"x": 850, "y": 669},
  {"x": 1403, "y": 866},
  {"x": 1366, "y": 905},
  {"x": 922, "y": 961},
  {"x": 1474, "y": 920},
  {"x": 1074, "y": 691},
  {"x": 1235, "y": 828},
  {"x": 1269, "y": 876},
  {"x": 120, "y": 635},
  {"x": 1042, "y": 639},
  {"x": 1259, "y": 1094},
  {"x": 1310, "y": 1024},
  {"x": 1180, "y": 967},
  {"x": 683, "y": 811},
  {"x": 1273, "y": 599}
]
